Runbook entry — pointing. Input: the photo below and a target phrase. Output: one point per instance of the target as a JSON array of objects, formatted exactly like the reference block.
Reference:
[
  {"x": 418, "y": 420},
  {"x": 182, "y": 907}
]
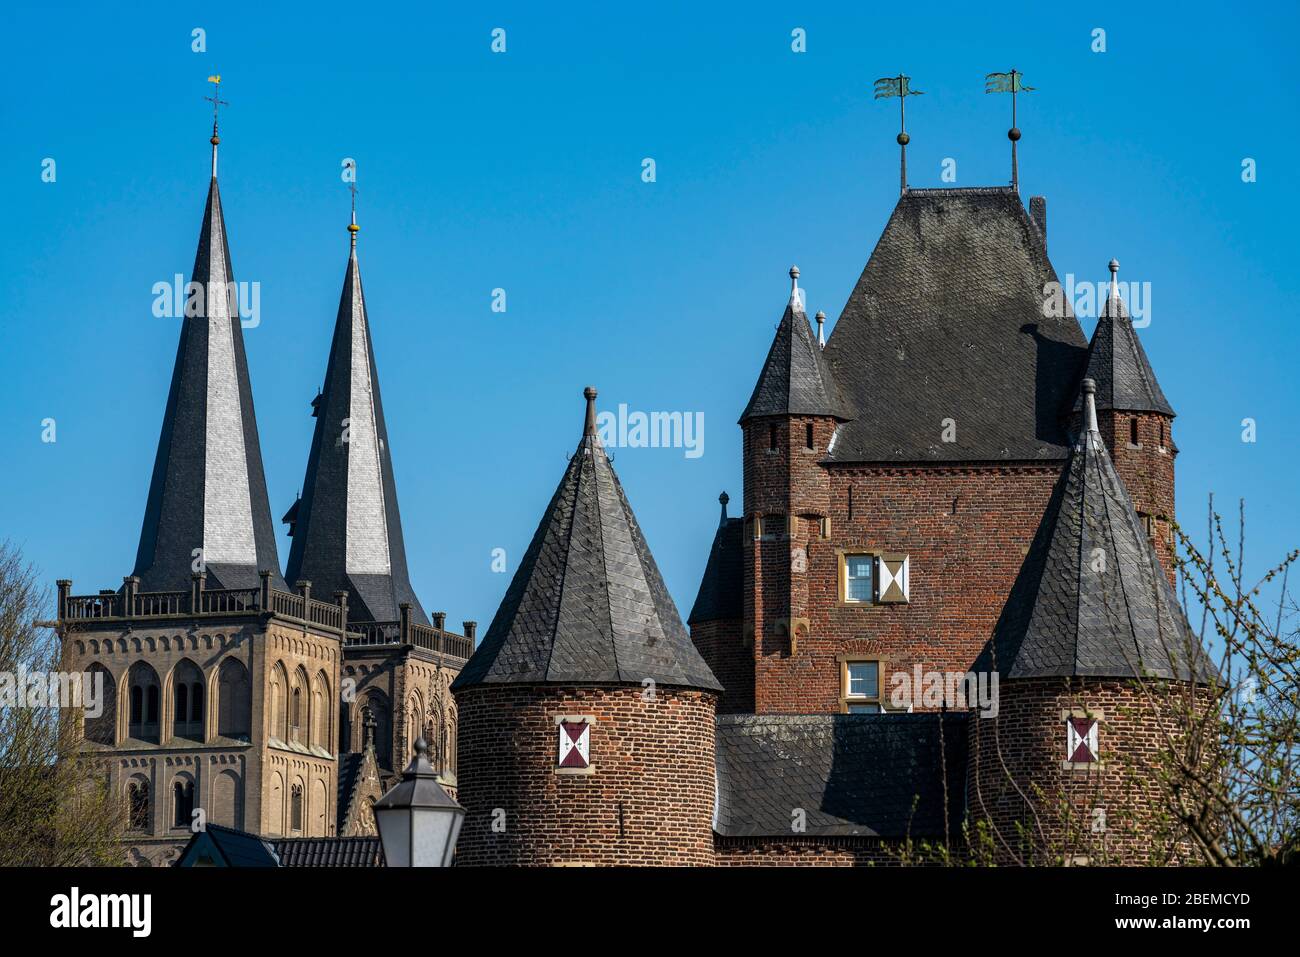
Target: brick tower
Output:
[
  {"x": 788, "y": 427},
  {"x": 1095, "y": 658},
  {"x": 1135, "y": 419},
  {"x": 586, "y": 714}
]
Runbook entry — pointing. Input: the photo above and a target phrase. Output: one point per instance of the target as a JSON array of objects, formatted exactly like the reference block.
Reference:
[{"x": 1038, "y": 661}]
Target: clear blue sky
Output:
[{"x": 523, "y": 171}]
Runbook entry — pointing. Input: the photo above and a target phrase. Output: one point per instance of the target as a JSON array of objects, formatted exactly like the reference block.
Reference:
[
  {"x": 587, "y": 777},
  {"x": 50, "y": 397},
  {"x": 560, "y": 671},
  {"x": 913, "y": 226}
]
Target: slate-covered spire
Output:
[
  {"x": 346, "y": 528},
  {"x": 1091, "y": 598},
  {"x": 207, "y": 505},
  {"x": 1118, "y": 363},
  {"x": 587, "y": 605},
  {"x": 796, "y": 379}
]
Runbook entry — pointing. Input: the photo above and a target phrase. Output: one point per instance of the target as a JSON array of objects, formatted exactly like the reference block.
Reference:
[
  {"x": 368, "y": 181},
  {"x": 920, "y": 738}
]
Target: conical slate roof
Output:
[
  {"x": 587, "y": 605},
  {"x": 208, "y": 490},
  {"x": 721, "y": 596},
  {"x": 795, "y": 379},
  {"x": 1119, "y": 365},
  {"x": 346, "y": 528},
  {"x": 1091, "y": 598}
]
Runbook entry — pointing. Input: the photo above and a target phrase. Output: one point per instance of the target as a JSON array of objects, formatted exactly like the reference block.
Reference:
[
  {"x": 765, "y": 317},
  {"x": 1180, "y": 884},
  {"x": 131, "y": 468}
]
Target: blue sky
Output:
[{"x": 522, "y": 171}]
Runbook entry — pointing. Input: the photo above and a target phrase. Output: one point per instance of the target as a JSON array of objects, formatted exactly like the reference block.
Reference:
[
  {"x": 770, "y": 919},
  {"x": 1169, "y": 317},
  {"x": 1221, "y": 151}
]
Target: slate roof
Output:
[
  {"x": 947, "y": 321},
  {"x": 1119, "y": 365},
  {"x": 347, "y": 529},
  {"x": 1091, "y": 598},
  {"x": 587, "y": 604},
  {"x": 795, "y": 379},
  {"x": 231, "y": 848},
  {"x": 208, "y": 488},
  {"x": 721, "y": 596},
  {"x": 868, "y": 775},
  {"x": 350, "y": 764},
  {"x": 330, "y": 851}
]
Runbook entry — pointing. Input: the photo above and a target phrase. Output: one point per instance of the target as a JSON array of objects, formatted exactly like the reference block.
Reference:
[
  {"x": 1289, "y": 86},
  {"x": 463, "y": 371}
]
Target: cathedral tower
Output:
[{"x": 587, "y": 716}]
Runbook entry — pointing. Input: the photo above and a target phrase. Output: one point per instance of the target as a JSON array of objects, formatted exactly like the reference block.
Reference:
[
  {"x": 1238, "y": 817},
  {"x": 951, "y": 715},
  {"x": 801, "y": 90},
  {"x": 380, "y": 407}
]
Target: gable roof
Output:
[
  {"x": 1091, "y": 598},
  {"x": 346, "y": 529},
  {"x": 865, "y": 775},
  {"x": 208, "y": 489},
  {"x": 721, "y": 596},
  {"x": 587, "y": 604},
  {"x": 219, "y": 846},
  {"x": 795, "y": 379},
  {"x": 1119, "y": 365},
  {"x": 946, "y": 322}
]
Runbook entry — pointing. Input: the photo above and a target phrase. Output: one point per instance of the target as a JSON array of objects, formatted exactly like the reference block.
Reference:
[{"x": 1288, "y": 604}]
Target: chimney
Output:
[
  {"x": 440, "y": 620},
  {"x": 1038, "y": 210}
]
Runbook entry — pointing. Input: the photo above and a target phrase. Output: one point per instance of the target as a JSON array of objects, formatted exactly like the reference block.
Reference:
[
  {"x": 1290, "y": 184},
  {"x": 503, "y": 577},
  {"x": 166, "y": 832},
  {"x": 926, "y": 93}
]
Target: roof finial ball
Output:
[
  {"x": 794, "y": 283},
  {"x": 1013, "y": 134},
  {"x": 903, "y": 139}
]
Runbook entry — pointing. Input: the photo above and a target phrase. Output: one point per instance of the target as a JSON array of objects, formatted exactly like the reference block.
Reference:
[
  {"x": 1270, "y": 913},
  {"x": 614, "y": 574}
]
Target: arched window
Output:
[
  {"x": 182, "y": 803},
  {"x": 295, "y": 807},
  {"x": 295, "y": 713},
  {"x": 280, "y": 703},
  {"x": 233, "y": 700},
  {"x": 137, "y": 804},
  {"x": 101, "y": 729},
  {"x": 143, "y": 719},
  {"x": 187, "y": 701}
]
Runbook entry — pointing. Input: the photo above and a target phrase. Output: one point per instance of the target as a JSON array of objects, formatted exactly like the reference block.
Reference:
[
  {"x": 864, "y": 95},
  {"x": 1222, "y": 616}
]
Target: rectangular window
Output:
[
  {"x": 858, "y": 578},
  {"x": 862, "y": 687}
]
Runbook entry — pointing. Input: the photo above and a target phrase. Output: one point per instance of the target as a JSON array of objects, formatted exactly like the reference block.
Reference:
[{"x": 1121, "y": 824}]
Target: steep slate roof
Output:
[
  {"x": 1091, "y": 598},
  {"x": 721, "y": 596},
  {"x": 869, "y": 775},
  {"x": 208, "y": 489},
  {"x": 947, "y": 321},
  {"x": 346, "y": 528},
  {"x": 227, "y": 847},
  {"x": 1119, "y": 365},
  {"x": 330, "y": 851},
  {"x": 795, "y": 379},
  {"x": 587, "y": 605}
]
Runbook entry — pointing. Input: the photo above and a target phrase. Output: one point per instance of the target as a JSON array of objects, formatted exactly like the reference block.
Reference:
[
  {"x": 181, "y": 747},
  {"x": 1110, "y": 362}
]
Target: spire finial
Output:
[
  {"x": 794, "y": 286},
  {"x": 589, "y": 394},
  {"x": 1114, "y": 279},
  {"x": 1013, "y": 83},
  {"x": 353, "y": 228},
  {"x": 821, "y": 328},
  {"x": 723, "y": 499},
  {"x": 1090, "y": 406},
  {"x": 888, "y": 86},
  {"x": 217, "y": 103}
]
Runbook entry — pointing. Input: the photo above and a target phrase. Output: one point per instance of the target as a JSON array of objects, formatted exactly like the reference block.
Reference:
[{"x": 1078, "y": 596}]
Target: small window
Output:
[
  {"x": 808, "y": 437},
  {"x": 1133, "y": 431},
  {"x": 137, "y": 796},
  {"x": 182, "y": 803},
  {"x": 772, "y": 438},
  {"x": 858, "y": 578},
  {"x": 1163, "y": 435},
  {"x": 295, "y": 807},
  {"x": 862, "y": 687}
]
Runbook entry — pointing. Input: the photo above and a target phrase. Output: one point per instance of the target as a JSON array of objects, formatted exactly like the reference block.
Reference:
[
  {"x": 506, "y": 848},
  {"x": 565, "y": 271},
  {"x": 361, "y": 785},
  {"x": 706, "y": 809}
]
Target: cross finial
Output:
[
  {"x": 217, "y": 102},
  {"x": 353, "y": 228}
]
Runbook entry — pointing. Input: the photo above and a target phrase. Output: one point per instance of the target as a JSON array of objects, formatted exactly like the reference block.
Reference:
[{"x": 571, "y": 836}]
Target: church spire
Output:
[
  {"x": 346, "y": 529},
  {"x": 217, "y": 103},
  {"x": 207, "y": 508}
]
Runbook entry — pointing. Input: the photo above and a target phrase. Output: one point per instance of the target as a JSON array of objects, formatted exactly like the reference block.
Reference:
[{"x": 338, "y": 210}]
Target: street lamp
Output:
[{"x": 418, "y": 820}]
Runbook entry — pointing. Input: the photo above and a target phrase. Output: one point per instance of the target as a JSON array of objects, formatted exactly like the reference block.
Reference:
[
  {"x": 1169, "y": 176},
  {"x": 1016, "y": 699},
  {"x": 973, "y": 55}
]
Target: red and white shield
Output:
[
  {"x": 575, "y": 744},
  {"x": 1081, "y": 740}
]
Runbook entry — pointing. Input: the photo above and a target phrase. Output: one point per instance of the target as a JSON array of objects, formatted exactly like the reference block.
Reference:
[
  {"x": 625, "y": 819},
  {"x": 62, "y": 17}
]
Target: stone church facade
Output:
[{"x": 232, "y": 697}]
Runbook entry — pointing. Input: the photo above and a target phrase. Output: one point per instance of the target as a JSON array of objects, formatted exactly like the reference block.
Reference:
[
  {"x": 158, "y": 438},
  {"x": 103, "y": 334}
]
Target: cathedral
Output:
[{"x": 955, "y": 489}]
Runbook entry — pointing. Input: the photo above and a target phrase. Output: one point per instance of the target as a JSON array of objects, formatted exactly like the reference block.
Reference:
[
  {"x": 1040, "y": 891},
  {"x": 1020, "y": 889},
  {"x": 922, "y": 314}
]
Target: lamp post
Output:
[{"x": 418, "y": 821}]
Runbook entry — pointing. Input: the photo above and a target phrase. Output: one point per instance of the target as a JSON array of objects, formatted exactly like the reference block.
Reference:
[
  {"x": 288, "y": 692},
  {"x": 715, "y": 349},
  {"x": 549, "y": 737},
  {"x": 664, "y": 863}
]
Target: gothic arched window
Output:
[
  {"x": 295, "y": 807},
  {"x": 137, "y": 801},
  {"x": 182, "y": 803}
]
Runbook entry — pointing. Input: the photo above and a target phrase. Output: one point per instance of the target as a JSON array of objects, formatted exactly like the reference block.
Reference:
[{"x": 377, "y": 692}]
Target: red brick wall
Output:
[
  {"x": 965, "y": 528},
  {"x": 807, "y": 852},
  {"x": 1147, "y": 469},
  {"x": 722, "y": 646},
  {"x": 1015, "y": 764},
  {"x": 649, "y": 802}
]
